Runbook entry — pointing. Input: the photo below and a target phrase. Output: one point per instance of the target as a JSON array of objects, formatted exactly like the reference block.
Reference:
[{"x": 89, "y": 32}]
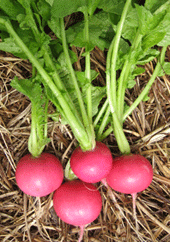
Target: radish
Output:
[
  {"x": 130, "y": 174},
  {"x": 77, "y": 203},
  {"x": 92, "y": 166},
  {"x": 39, "y": 176}
]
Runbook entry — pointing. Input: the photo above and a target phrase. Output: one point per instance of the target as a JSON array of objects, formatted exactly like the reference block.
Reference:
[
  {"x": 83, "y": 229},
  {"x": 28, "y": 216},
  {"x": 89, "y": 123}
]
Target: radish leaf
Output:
[
  {"x": 62, "y": 8},
  {"x": 33, "y": 90},
  {"x": 154, "y": 5},
  {"x": 11, "y": 8},
  {"x": 112, "y": 6}
]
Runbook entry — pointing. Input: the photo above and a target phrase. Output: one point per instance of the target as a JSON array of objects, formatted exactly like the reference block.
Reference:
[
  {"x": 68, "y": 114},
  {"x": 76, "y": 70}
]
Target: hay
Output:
[{"x": 25, "y": 218}]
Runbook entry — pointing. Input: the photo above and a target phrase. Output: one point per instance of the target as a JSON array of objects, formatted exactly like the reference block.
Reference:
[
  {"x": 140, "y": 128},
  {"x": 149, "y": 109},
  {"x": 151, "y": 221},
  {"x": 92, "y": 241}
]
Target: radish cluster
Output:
[{"x": 78, "y": 202}]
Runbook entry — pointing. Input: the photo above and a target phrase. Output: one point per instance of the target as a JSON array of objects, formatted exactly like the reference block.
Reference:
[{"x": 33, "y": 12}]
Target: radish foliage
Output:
[{"x": 129, "y": 43}]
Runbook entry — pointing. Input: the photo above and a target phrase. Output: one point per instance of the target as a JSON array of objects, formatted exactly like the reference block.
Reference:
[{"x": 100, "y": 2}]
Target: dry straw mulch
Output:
[{"x": 25, "y": 218}]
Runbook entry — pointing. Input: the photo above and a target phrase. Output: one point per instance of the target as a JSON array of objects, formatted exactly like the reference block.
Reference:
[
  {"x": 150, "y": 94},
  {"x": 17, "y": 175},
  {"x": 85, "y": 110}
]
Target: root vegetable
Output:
[
  {"x": 92, "y": 166},
  {"x": 39, "y": 176},
  {"x": 77, "y": 203}
]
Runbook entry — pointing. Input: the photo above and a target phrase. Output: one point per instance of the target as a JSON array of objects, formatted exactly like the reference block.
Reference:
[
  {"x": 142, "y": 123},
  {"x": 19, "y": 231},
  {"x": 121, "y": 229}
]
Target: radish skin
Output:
[
  {"x": 77, "y": 203},
  {"x": 39, "y": 176},
  {"x": 92, "y": 166},
  {"x": 130, "y": 174}
]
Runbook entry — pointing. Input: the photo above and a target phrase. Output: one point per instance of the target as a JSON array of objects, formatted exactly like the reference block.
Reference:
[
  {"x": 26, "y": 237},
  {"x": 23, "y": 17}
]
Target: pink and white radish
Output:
[
  {"x": 77, "y": 203},
  {"x": 39, "y": 176},
  {"x": 92, "y": 166}
]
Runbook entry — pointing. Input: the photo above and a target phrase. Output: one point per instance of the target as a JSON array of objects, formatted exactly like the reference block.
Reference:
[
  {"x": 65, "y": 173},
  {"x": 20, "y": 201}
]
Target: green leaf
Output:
[
  {"x": 98, "y": 93},
  {"x": 152, "y": 38},
  {"x": 154, "y": 27},
  {"x": 98, "y": 24},
  {"x": 12, "y": 8},
  {"x": 154, "y": 5},
  {"x": 130, "y": 25},
  {"x": 144, "y": 17},
  {"x": 56, "y": 48},
  {"x": 93, "y": 4},
  {"x": 164, "y": 27},
  {"x": 8, "y": 45},
  {"x": 44, "y": 9},
  {"x": 147, "y": 56},
  {"x": 25, "y": 3},
  {"x": 82, "y": 79},
  {"x": 137, "y": 71},
  {"x": 62, "y": 8},
  {"x": 131, "y": 83},
  {"x": 147, "y": 21},
  {"x": 146, "y": 98},
  {"x": 33, "y": 90},
  {"x": 156, "y": 20},
  {"x": 50, "y": 2},
  {"x": 29, "y": 88},
  {"x": 112, "y": 6},
  {"x": 165, "y": 69},
  {"x": 122, "y": 53},
  {"x": 54, "y": 25}
]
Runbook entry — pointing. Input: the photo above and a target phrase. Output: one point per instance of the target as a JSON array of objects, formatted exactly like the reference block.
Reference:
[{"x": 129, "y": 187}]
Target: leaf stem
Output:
[
  {"x": 72, "y": 73},
  {"x": 117, "y": 128},
  {"x": 113, "y": 86},
  {"x": 106, "y": 133},
  {"x": 46, "y": 118},
  {"x": 87, "y": 66},
  {"x": 101, "y": 112},
  {"x": 103, "y": 123},
  {"x": 75, "y": 124},
  {"x": 123, "y": 79},
  {"x": 48, "y": 60},
  {"x": 92, "y": 6},
  {"x": 123, "y": 144},
  {"x": 57, "y": 81},
  {"x": 148, "y": 85},
  {"x": 33, "y": 138},
  {"x": 85, "y": 117},
  {"x": 142, "y": 95},
  {"x": 88, "y": 77}
]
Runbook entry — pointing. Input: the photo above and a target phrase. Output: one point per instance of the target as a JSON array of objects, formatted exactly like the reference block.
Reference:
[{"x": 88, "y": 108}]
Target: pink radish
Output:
[
  {"x": 77, "y": 203},
  {"x": 92, "y": 166},
  {"x": 39, "y": 176},
  {"x": 130, "y": 174}
]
